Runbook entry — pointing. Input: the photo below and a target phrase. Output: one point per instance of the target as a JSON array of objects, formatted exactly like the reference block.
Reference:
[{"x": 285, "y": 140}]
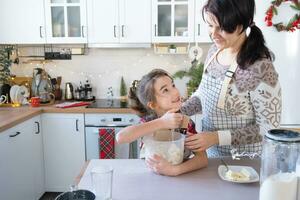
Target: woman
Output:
[{"x": 240, "y": 95}]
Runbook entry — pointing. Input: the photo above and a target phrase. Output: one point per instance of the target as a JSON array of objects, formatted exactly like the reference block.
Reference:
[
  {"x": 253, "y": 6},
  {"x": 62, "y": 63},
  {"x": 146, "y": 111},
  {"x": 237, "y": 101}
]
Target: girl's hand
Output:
[
  {"x": 171, "y": 119},
  {"x": 161, "y": 166},
  {"x": 201, "y": 141}
]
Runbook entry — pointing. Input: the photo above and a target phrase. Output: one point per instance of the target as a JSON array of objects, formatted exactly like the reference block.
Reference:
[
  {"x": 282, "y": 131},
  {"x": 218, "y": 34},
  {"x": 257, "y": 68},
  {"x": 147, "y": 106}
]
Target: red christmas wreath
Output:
[{"x": 294, "y": 22}]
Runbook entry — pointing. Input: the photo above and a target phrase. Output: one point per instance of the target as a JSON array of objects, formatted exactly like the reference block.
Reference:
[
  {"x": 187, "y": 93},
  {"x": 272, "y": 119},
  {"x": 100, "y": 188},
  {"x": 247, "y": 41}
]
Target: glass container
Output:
[
  {"x": 167, "y": 144},
  {"x": 278, "y": 175}
]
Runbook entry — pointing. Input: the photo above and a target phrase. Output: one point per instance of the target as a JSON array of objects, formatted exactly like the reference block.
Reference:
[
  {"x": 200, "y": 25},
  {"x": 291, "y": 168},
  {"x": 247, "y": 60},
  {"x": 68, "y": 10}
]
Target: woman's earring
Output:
[{"x": 248, "y": 30}]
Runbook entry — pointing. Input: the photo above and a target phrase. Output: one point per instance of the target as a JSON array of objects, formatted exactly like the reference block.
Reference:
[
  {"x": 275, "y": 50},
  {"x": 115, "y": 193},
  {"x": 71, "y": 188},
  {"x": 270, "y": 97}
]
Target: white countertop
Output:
[{"x": 133, "y": 181}]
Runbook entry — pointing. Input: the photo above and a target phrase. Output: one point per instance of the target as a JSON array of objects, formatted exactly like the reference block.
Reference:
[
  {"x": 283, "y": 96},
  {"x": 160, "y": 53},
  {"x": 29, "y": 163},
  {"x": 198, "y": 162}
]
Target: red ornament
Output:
[{"x": 269, "y": 23}]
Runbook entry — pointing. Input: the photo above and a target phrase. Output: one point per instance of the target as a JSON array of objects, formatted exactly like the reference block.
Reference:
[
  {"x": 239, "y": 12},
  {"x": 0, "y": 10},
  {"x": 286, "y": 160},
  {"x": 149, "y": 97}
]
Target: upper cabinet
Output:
[
  {"x": 117, "y": 22},
  {"x": 102, "y": 23},
  {"x": 172, "y": 21},
  {"x": 178, "y": 21},
  {"x": 40, "y": 22},
  {"x": 66, "y": 21},
  {"x": 201, "y": 32},
  {"x": 22, "y": 22}
]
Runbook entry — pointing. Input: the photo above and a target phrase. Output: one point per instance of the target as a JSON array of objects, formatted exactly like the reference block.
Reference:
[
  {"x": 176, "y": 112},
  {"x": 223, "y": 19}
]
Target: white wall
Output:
[
  {"x": 285, "y": 46},
  {"x": 104, "y": 67}
]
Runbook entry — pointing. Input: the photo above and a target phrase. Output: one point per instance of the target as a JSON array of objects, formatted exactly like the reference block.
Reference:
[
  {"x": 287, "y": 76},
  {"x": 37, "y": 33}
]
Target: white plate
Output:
[{"x": 254, "y": 177}]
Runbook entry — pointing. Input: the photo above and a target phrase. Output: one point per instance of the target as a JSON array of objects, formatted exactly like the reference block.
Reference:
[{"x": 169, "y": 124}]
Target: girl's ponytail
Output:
[{"x": 134, "y": 101}]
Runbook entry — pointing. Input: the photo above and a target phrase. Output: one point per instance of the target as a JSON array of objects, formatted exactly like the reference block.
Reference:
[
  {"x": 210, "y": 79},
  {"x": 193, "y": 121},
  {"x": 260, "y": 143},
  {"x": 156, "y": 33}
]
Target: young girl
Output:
[{"x": 156, "y": 99}]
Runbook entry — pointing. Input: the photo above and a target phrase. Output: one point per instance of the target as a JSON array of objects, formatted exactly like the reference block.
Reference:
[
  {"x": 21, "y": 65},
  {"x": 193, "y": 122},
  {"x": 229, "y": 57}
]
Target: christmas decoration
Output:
[
  {"x": 195, "y": 74},
  {"x": 123, "y": 89},
  {"x": 294, "y": 22},
  {"x": 5, "y": 64}
]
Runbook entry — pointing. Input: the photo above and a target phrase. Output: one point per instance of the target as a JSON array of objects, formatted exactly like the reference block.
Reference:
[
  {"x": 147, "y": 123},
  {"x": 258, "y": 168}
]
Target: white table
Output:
[{"x": 132, "y": 180}]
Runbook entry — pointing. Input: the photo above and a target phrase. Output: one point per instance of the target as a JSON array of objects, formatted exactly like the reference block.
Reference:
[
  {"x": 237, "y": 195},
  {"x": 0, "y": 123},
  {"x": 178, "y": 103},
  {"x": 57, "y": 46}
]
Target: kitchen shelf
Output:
[{"x": 165, "y": 49}]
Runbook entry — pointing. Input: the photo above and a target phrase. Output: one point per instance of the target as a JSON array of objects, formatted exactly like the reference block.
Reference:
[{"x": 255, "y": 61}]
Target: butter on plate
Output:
[{"x": 243, "y": 175}]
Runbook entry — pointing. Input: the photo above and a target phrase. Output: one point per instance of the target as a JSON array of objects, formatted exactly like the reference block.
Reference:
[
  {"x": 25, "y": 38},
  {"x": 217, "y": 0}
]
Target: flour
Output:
[
  {"x": 171, "y": 152},
  {"x": 280, "y": 186}
]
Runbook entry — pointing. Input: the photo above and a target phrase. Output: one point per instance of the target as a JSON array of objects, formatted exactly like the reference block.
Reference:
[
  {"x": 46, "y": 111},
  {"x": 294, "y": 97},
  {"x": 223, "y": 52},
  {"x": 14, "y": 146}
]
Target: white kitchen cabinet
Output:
[
  {"x": 64, "y": 151},
  {"x": 22, "y": 22},
  {"x": 201, "y": 31},
  {"x": 21, "y": 167},
  {"x": 119, "y": 22},
  {"x": 38, "y": 157},
  {"x": 66, "y": 21},
  {"x": 172, "y": 21}
]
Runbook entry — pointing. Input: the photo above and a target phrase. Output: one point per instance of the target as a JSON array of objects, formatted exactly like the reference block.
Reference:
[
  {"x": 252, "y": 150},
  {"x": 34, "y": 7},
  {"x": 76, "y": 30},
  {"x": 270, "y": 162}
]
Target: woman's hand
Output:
[
  {"x": 201, "y": 141},
  {"x": 171, "y": 119},
  {"x": 161, "y": 166}
]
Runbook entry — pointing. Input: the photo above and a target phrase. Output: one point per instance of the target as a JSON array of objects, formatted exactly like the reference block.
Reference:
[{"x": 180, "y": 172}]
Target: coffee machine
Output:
[{"x": 41, "y": 85}]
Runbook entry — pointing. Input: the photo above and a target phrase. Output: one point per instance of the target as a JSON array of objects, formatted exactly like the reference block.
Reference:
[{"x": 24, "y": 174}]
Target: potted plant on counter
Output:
[{"x": 172, "y": 48}]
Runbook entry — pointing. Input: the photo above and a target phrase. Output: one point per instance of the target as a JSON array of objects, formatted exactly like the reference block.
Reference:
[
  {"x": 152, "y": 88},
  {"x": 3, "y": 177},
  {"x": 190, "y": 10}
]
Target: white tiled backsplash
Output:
[{"x": 104, "y": 68}]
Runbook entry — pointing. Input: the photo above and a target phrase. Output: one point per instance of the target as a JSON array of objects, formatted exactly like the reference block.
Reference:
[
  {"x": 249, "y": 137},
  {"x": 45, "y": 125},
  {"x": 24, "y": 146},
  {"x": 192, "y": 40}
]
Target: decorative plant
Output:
[
  {"x": 195, "y": 75},
  {"x": 123, "y": 88},
  {"x": 5, "y": 64},
  {"x": 172, "y": 46}
]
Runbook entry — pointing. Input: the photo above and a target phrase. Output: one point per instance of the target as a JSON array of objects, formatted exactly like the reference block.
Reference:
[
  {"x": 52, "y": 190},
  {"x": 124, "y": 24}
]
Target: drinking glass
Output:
[{"x": 102, "y": 179}]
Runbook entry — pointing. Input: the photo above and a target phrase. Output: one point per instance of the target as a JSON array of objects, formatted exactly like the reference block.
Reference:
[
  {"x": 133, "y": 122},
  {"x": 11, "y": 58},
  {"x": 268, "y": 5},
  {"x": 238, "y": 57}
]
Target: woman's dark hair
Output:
[
  {"x": 142, "y": 92},
  {"x": 232, "y": 13}
]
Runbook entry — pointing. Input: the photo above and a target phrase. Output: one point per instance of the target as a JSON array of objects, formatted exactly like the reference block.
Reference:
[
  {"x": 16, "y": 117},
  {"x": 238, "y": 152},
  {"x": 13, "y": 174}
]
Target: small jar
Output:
[
  {"x": 77, "y": 95},
  {"x": 89, "y": 93}
]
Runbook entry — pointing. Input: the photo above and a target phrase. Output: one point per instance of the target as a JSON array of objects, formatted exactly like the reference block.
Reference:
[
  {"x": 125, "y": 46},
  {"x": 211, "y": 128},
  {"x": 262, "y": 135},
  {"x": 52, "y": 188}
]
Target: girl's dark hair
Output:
[
  {"x": 142, "y": 92},
  {"x": 232, "y": 13}
]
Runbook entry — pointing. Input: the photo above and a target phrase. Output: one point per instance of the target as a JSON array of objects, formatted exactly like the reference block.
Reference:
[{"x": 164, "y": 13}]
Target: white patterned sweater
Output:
[{"x": 253, "y": 94}]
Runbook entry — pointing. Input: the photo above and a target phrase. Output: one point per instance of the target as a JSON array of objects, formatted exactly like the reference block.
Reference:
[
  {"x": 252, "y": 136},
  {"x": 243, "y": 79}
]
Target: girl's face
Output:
[
  {"x": 166, "y": 95},
  {"x": 220, "y": 37}
]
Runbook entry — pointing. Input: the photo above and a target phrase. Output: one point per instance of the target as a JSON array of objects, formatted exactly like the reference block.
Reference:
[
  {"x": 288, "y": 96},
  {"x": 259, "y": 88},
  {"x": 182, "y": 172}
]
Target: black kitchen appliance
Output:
[{"x": 109, "y": 103}]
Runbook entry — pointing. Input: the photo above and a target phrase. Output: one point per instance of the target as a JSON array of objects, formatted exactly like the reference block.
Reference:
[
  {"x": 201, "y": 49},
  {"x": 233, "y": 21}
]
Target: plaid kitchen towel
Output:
[{"x": 107, "y": 143}]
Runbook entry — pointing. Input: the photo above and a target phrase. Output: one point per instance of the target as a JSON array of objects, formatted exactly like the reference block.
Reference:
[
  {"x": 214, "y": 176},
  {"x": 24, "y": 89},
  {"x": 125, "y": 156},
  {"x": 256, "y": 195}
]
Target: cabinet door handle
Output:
[
  {"x": 155, "y": 27},
  {"x": 14, "y": 135},
  {"x": 38, "y": 126},
  {"x": 115, "y": 35},
  {"x": 123, "y": 30},
  {"x": 199, "y": 29},
  {"x": 82, "y": 31},
  {"x": 77, "y": 125},
  {"x": 41, "y": 35}
]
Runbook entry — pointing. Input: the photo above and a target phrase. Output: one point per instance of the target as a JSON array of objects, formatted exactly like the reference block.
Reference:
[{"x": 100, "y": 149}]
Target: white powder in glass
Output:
[
  {"x": 280, "y": 186},
  {"x": 172, "y": 153}
]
